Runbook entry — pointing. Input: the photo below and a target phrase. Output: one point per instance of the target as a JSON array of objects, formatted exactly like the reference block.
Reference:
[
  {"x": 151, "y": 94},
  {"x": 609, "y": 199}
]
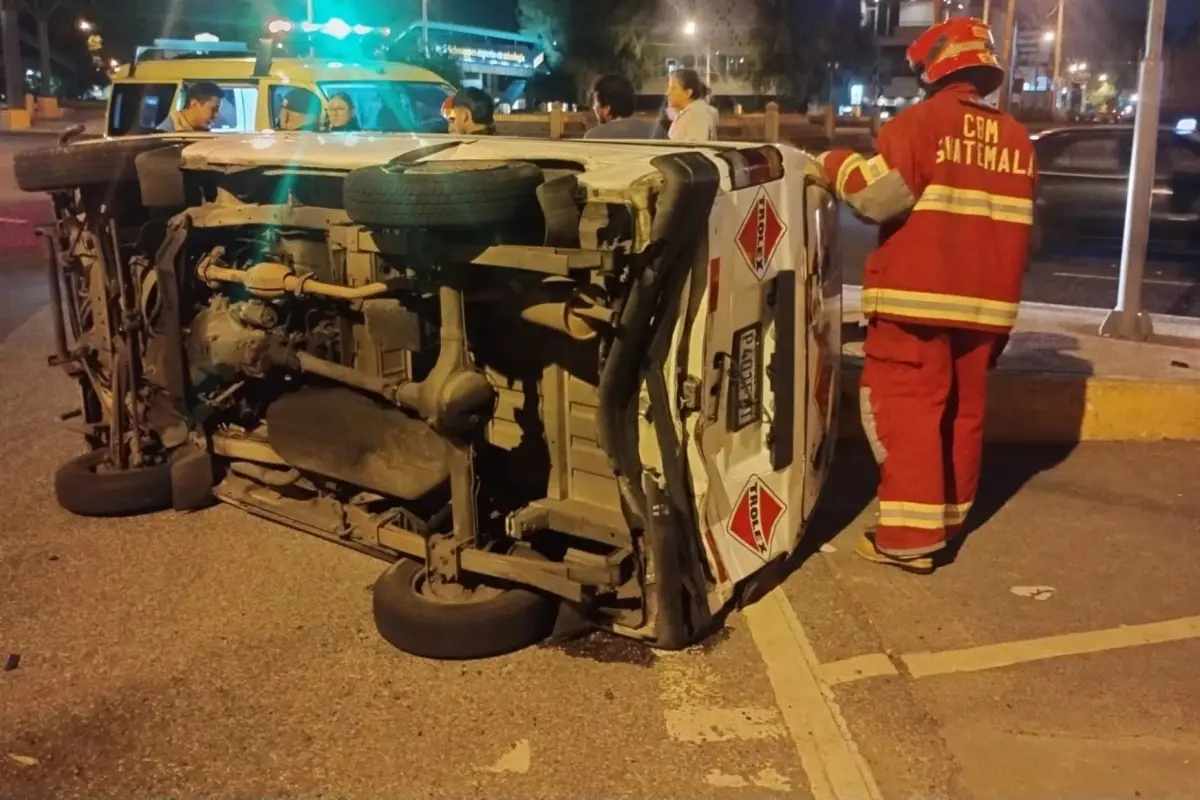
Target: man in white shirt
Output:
[{"x": 201, "y": 106}]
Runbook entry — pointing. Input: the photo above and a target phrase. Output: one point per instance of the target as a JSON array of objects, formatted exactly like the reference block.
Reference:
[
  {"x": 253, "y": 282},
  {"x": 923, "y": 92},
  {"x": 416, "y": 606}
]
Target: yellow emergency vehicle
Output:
[{"x": 385, "y": 96}]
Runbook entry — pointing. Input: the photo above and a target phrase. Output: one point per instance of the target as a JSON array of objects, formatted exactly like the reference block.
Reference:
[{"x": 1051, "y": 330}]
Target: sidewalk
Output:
[
  {"x": 1059, "y": 381},
  {"x": 1055, "y": 657},
  {"x": 93, "y": 125}
]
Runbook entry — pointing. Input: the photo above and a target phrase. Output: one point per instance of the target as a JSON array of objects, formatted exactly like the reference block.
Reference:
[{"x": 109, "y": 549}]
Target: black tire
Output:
[
  {"x": 441, "y": 194},
  {"x": 94, "y": 163},
  {"x": 82, "y": 490},
  {"x": 408, "y": 620}
]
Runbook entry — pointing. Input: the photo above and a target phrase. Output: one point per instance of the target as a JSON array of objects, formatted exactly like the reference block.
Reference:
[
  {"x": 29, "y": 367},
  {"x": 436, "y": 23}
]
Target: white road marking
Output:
[
  {"x": 1036, "y": 592},
  {"x": 690, "y": 705},
  {"x": 974, "y": 659},
  {"x": 1156, "y": 281},
  {"x": 517, "y": 760},
  {"x": 764, "y": 779},
  {"x": 835, "y": 768},
  {"x": 871, "y": 665},
  {"x": 1005, "y": 654},
  {"x": 14, "y": 221}
]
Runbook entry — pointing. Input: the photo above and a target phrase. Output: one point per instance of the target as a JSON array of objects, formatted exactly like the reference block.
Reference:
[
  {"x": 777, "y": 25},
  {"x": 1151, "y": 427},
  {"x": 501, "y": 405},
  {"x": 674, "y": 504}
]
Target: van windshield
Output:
[{"x": 392, "y": 106}]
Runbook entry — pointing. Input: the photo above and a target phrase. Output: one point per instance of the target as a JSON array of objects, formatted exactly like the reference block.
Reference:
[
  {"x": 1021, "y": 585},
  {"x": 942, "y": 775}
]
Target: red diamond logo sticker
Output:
[
  {"x": 760, "y": 234},
  {"x": 755, "y": 515}
]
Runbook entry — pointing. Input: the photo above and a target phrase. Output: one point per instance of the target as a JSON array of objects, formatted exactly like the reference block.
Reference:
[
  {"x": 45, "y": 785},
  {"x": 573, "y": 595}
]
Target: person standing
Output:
[
  {"x": 695, "y": 119},
  {"x": 201, "y": 107},
  {"x": 613, "y": 103},
  {"x": 952, "y": 187}
]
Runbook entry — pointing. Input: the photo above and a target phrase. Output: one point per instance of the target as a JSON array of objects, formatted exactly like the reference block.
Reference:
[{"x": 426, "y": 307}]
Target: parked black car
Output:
[{"x": 1083, "y": 178}]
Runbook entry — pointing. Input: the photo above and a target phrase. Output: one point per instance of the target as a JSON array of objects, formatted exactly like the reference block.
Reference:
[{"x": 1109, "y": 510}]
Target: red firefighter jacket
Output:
[{"x": 952, "y": 186}]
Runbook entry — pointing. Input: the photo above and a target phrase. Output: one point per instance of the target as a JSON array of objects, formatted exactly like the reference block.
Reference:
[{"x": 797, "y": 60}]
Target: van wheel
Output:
[
  {"x": 88, "y": 486},
  {"x": 441, "y": 194},
  {"x": 69, "y": 167},
  {"x": 479, "y": 622}
]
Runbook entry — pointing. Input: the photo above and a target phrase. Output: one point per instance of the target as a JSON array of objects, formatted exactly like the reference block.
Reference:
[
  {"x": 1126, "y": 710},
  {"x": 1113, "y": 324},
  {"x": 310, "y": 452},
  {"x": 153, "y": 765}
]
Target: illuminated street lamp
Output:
[
  {"x": 689, "y": 28},
  {"x": 85, "y": 26},
  {"x": 1048, "y": 36},
  {"x": 1104, "y": 77}
]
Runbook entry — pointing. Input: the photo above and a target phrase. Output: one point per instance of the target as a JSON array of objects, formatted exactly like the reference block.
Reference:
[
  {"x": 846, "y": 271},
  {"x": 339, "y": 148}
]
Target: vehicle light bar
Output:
[
  {"x": 335, "y": 27},
  {"x": 753, "y": 166}
]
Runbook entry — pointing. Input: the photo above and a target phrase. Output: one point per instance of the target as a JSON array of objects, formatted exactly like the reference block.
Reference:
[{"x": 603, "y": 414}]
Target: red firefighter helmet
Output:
[{"x": 955, "y": 45}]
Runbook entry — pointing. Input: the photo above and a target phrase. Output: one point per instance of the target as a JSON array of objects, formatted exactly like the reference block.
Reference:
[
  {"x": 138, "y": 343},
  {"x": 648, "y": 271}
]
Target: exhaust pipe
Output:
[{"x": 580, "y": 316}]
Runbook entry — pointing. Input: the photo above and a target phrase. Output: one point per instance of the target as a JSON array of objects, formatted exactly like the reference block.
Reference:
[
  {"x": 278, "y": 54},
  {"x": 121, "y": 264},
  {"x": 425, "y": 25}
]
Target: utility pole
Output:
[
  {"x": 987, "y": 7},
  {"x": 14, "y": 70},
  {"x": 1129, "y": 320},
  {"x": 1056, "y": 83},
  {"x": 1008, "y": 53},
  {"x": 42, "y": 11},
  {"x": 425, "y": 26}
]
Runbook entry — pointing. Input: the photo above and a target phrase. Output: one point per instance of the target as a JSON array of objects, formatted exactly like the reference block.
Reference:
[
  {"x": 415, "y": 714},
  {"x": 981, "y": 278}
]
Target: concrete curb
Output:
[{"x": 1047, "y": 408}]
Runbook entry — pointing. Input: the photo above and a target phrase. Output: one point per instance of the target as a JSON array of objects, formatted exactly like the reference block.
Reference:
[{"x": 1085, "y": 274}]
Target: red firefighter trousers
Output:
[{"x": 923, "y": 400}]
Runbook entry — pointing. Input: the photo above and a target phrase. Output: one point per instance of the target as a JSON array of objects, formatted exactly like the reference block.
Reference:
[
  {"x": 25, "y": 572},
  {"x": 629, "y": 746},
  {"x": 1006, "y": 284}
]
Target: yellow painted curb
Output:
[{"x": 1054, "y": 408}]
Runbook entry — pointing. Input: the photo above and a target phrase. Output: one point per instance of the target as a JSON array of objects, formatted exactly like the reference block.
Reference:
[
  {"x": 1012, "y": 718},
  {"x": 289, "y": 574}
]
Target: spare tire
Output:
[
  {"x": 93, "y": 163},
  {"x": 441, "y": 194}
]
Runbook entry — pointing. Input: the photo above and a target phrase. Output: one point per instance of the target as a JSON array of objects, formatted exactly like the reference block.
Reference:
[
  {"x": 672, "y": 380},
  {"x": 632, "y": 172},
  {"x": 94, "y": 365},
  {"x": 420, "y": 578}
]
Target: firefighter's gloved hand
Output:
[{"x": 823, "y": 174}]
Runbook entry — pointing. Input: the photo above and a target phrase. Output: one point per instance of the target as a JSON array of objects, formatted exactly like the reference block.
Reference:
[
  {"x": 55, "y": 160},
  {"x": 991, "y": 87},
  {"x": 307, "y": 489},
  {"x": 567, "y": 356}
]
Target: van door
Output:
[{"x": 750, "y": 432}]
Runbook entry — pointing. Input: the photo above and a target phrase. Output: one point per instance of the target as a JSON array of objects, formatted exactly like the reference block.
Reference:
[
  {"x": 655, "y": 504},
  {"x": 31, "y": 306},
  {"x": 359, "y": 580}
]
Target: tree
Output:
[
  {"x": 42, "y": 11},
  {"x": 587, "y": 39},
  {"x": 802, "y": 42}
]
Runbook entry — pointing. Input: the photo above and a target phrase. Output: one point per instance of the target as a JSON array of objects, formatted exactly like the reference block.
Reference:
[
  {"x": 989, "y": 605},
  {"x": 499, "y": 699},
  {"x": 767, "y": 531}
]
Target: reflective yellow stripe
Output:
[
  {"x": 975, "y": 203},
  {"x": 875, "y": 168},
  {"x": 902, "y": 514},
  {"x": 846, "y": 170},
  {"x": 948, "y": 307},
  {"x": 956, "y": 513},
  {"x": 926, "y": 516}
]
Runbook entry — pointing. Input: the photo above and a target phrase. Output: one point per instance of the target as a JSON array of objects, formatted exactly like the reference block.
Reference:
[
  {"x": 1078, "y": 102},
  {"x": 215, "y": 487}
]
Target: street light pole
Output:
[
  {"x": 1008, "y": 50},
  {"x": 1058, "y": 41},
  {"x": 425, "y": 26},
  {"x": 1129, "y": 320}
]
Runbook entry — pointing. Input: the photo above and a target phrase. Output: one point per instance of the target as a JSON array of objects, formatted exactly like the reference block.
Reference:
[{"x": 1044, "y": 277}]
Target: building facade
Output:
[{"x": 714, "y": 37}]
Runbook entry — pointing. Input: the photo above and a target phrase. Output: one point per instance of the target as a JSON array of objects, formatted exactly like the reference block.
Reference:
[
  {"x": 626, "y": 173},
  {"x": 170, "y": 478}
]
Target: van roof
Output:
[{"x": 290, "y": 70}]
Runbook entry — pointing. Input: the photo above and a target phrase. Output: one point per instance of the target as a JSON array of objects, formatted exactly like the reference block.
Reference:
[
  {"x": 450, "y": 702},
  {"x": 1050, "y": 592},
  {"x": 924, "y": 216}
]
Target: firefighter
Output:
[{"x": 952, "y": 187}]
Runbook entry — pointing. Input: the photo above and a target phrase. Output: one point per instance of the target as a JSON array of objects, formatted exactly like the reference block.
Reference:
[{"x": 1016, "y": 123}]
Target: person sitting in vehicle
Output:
[
  {"x": 342, "y": 117},
  {"x": 613, "y": 101},
  {"x": 201, "y": 107},
  {"x": 300, "y": 111},
  {"x": 474, "y": 113}
]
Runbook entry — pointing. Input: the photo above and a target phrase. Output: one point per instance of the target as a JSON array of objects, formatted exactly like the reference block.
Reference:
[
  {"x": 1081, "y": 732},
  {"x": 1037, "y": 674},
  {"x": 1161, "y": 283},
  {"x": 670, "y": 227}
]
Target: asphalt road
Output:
[{"x": 217, "y": 654}]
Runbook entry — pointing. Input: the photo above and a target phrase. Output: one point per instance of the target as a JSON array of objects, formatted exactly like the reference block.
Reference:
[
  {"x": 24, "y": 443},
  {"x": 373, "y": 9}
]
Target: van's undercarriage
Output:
[{"x": 489, "y": 403}]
